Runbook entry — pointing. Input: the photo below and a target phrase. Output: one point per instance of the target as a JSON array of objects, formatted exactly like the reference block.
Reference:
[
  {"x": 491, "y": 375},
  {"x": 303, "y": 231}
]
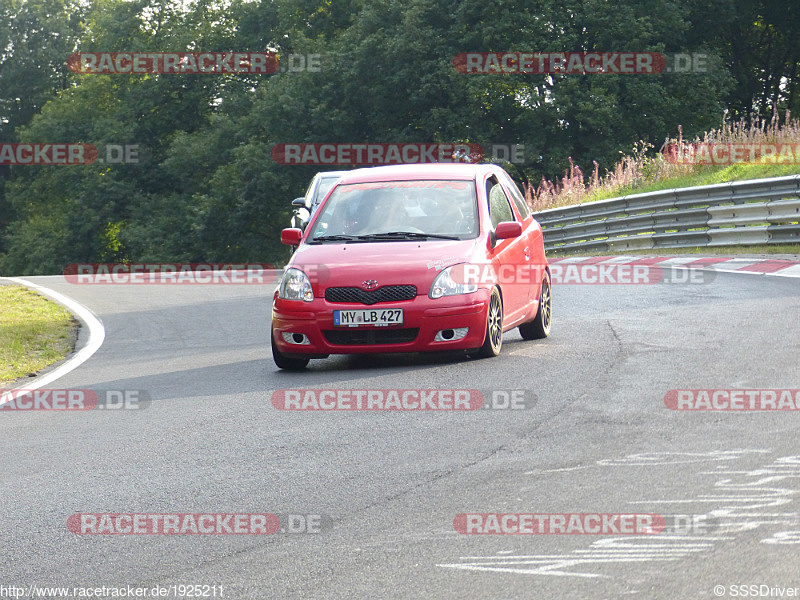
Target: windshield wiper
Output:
[
  {"x": 334, "y": 238},
  {"x": 392, "y": 235}
]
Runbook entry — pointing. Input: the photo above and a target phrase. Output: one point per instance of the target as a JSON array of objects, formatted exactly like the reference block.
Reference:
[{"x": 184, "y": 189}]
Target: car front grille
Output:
[
  {"x": 387, "y": 293},
  {"x": 370, "y": 337}
]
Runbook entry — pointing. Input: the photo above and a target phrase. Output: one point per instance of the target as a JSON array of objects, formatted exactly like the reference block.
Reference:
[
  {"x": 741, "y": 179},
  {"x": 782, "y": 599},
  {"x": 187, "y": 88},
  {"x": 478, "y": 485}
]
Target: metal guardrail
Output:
[{"x": 758, "y": 211}]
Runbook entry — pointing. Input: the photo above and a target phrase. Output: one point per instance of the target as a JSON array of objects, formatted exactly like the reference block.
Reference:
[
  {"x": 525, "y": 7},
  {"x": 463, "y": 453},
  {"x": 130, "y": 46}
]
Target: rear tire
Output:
[
  {"x": 539, "y": 328},
  {"x": 286, "y": 362},
  {"x": 494, "y": 328}
]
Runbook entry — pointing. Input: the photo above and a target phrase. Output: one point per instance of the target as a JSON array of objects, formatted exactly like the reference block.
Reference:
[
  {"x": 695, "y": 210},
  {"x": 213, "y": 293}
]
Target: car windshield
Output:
[{"x": 404, "y": 209}]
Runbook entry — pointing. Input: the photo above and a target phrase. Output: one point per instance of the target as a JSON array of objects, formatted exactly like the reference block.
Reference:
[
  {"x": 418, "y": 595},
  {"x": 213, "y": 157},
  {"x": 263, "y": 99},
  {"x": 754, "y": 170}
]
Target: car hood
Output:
[{"x": 388, "y": 263}]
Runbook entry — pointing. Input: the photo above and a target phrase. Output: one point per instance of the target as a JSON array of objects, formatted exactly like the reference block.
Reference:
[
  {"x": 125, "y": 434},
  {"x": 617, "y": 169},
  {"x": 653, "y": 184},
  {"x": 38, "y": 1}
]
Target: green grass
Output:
[
  {"x": 703, "y": 176},
  {"x": 34, "y": 332}
]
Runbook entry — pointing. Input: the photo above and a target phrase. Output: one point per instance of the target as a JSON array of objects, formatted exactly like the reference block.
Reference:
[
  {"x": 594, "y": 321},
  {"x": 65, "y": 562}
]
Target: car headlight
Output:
[
  {"x": 295, "y": 286},
  {"x": 445, "y": 285}
]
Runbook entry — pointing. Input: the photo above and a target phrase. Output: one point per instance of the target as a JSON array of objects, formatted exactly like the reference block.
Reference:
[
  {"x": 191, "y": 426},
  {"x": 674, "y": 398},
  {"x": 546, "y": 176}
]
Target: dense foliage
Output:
[{"x": 206, "y": 187}]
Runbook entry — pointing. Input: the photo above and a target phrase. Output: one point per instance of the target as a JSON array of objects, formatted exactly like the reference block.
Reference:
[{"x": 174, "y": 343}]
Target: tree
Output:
[
  {"x": 35, "y": 38},
  {"x": 207, "y": 188}
]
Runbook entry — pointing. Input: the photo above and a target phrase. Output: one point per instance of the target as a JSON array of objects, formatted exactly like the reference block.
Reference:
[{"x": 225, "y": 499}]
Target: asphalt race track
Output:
[{"x": 597, "y": 438}]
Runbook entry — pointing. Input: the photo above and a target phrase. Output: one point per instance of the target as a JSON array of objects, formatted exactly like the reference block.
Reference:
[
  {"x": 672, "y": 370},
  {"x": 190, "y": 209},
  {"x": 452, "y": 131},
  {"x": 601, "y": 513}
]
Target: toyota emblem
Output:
[{"x": 369, "y": 284}]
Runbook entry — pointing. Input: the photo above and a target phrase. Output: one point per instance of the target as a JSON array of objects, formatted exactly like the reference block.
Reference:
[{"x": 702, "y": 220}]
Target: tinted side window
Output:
[
  {"x": 309, "y": 193},
  {"x": 499, "y": 208},
  {"x": 516, "y": 195},
  {"x": 325, "y": 184}
]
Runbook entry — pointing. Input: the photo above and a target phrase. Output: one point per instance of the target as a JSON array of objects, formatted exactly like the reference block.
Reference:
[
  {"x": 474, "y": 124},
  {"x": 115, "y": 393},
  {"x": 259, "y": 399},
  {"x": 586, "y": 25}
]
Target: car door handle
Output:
[{"x": 527, "y": 253}]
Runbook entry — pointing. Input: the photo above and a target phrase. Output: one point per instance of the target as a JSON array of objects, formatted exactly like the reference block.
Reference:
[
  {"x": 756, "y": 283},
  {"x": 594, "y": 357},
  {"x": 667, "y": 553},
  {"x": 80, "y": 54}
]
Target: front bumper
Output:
[{"x": 423, "y": 318}]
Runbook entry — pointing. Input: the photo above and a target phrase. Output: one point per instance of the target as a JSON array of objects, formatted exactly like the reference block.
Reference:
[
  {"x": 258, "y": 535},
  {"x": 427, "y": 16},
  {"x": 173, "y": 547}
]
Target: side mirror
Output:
[
  {"x": 299, "y": 202},
  {"x": 508, "y": 229},
  {"x": 291, "y": 236}
]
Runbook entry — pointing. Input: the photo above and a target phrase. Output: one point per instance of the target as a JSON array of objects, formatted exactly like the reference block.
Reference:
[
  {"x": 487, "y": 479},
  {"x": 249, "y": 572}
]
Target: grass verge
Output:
[
  {"x": 34, "y": 332},
  {"x": 769, "y": 146},
  {"x": 708, "y": 176}
]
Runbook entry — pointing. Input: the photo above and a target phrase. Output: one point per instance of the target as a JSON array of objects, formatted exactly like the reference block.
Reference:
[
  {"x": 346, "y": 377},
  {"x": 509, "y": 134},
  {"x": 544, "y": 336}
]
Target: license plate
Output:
[{"x": 380, "y": 317}]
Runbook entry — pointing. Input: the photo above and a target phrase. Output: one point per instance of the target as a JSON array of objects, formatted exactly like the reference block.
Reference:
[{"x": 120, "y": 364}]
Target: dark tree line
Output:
[{"x": 206, "y": 187}]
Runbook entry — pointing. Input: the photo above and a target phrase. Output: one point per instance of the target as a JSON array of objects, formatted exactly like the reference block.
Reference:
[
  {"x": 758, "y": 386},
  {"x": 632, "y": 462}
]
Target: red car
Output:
[{"x": 413, "y": 258}]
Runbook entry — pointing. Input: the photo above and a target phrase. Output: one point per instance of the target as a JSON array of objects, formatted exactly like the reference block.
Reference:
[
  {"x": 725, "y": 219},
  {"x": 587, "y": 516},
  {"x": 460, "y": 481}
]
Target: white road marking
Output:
[
  {"x": 554, "y": 470},
  {"x": 97, "y": 334},
  {"x": 733, "y": 509},
  {"x": 793, "y": 271}
]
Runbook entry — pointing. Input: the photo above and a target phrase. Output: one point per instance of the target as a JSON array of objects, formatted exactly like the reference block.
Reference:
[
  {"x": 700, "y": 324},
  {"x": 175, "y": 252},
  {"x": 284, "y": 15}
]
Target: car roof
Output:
[
  {"x": 418, "y": 171},
  {"x": 330, "y": 174}
]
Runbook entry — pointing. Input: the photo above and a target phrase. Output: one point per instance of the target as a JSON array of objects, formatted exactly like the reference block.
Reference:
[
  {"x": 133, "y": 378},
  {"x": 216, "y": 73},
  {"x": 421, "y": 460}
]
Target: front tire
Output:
[
  {"x": 494, "y": 328},
  {"x": 539, "y": 328},
  {"x": 286, "y": 362}
]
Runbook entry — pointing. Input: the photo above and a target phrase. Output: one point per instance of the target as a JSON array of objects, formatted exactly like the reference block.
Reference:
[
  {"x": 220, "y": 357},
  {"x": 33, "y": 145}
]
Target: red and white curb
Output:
[{"x": 721, "y": 264}]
